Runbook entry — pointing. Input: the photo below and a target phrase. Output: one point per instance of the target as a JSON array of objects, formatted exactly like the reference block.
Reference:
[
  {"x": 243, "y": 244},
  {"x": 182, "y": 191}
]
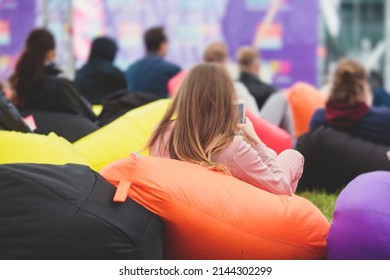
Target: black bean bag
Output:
[
  {"x": 120, "y": 102},
  {"x": 333, "y": 158},
  {"x": 70, "y": 126},
  {"x": 67, "y": 212}
]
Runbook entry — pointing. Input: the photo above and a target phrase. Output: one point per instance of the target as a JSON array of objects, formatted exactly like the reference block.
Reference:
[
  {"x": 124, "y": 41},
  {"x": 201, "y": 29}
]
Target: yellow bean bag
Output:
[
  {"x": 18, "y": 147},
  {"x": 129, "y": 133},
  {"x": 209, "y": 215},
  {"x": 97, "y": 109}
]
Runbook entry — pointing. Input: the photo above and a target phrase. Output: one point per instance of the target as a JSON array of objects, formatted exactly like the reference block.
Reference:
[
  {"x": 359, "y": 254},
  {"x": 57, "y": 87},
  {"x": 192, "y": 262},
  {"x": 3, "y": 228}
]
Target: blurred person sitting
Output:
[
  {"x": 248, "y": 60},
  {"x": 10, "y": 118},
  {"x": 381, "y": 95},
  {"x": 217, "y": 52},
  {"x": 349, "y": 106},
  {"x": 99, "y": 77},
  {"x": 35, "y": 82},
  {"x": 152, "y": 73},
  {"x": 200, "y": 127},
  {"x": 276, "y": 111}
]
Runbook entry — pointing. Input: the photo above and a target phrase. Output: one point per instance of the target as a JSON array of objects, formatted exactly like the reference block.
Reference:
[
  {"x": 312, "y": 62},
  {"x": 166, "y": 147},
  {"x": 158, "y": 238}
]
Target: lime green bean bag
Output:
[
  {"x": 19, "y": 147},
  {"x": 129, "y": 133}
]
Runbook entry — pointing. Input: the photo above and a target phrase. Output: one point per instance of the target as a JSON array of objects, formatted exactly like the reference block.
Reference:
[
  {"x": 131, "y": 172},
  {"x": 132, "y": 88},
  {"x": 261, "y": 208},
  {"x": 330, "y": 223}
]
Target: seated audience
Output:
[
  {"x": 152, "y": 73},
  {"x": 35, "y": 82},
  {"x": 99, "y": 77},
  {"x": 276, "y": 110},
  {"x": 349, "y": 106},
  {"x": 200, "y": 127},
  {"x": 249, "y": 64},
  {"x": 217, "y": 52}
]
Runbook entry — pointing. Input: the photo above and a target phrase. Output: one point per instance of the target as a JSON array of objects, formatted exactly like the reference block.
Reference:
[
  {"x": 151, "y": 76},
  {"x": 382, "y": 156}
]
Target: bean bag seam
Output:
[
  {"x": 232, "y": 226},
  {"x": 77, "y": 208},
  {"x": 146, "y": 228},
  {"x": 93, "y": 215},
  {"x": 42, "y": 185},
  {"x": 71, "y": 218},
  {"x": 355, "y": 211}
]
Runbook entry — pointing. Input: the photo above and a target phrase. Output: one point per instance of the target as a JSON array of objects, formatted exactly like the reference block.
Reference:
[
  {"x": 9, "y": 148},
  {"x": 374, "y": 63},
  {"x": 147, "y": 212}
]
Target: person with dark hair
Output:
[
  {"x": 249, "y": 64},
  {"x": 349, "y": 106},
  {"x": 35, "y": 82},
  {"x": 99, "y": 77},
  {"x": 152, "y": 73}
]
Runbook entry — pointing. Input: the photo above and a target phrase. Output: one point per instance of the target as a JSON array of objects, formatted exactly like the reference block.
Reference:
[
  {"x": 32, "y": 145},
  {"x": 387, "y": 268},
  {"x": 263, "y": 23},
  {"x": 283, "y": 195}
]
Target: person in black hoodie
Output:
[
  {"x": 35, "y": 82},
  {"x": 249, "y": 65},
  {"x": 99, "y": 77},
  {"x": 10, "y": 118}
]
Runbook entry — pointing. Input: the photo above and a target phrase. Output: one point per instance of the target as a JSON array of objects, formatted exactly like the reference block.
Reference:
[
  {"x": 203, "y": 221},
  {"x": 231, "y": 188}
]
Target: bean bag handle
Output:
[{"x": 122, "y": 191}]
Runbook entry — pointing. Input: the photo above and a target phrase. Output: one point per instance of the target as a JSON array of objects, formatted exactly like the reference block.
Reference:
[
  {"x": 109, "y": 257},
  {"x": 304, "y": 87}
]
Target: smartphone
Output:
[{"x": 240, "y": 104}]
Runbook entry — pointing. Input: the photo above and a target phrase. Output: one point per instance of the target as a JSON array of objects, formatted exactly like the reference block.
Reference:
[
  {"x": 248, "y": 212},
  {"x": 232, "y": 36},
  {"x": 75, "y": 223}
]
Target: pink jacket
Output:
[{"x": 258, "y": 165}]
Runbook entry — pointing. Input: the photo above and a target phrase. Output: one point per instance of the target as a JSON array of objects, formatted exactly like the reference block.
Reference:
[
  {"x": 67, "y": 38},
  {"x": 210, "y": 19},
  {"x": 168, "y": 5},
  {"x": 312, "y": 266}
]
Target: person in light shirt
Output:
[{"x": 200, "y": 127}]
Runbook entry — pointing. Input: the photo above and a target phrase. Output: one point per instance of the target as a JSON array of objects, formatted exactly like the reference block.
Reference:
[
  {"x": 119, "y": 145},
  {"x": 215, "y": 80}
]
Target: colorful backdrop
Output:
[{"x": 284, "y": 31}]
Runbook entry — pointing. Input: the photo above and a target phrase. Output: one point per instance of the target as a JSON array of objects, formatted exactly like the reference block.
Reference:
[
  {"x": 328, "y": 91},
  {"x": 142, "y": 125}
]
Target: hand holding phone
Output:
[
  {"x": 248, "y": 132},
  {"x": 241, "y": 111}
]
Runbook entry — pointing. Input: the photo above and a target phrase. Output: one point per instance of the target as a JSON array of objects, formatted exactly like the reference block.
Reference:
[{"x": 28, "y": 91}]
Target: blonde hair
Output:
[
  {"x": 246, "y": 57},
  {"x": 216, "y": 52},
  {"x": 205, "y": 117},
  {"x": 350, "y": 82}
]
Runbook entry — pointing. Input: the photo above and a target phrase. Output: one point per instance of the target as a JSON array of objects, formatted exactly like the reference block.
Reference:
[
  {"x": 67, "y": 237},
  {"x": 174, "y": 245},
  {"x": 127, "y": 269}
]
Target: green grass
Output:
[{"x": 325, "y": 202}]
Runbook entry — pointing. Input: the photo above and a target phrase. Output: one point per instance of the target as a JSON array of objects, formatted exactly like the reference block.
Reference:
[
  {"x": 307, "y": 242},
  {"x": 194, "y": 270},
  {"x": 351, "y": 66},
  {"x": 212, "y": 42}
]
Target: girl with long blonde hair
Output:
[{"x": 200, "y": 127}]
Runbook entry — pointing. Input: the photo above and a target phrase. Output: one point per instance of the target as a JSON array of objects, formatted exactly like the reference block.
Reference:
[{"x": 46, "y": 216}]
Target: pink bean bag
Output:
[{"x": 272, "y": 135}]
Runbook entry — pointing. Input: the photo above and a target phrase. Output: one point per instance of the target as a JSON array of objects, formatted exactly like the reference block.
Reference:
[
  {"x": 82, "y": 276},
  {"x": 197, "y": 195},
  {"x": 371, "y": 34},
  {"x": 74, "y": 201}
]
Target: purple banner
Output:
[
  {"x": 16, "y": 20},
  {"x": 286, "y": 33},
  {"x": 288, "y": 44}
]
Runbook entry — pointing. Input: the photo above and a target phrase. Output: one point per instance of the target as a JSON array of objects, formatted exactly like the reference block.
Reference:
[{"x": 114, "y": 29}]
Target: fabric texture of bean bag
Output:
[
  {"x": 210, "y": 215},
  {"x": 304, "y": 100},
  {"x": 273, "y": 136},
  {"x": 18, "y": 147},
  {"x": 360, "y": 228},
  {"x": 66, "y": 212},
  {"x": 129, "y": 133},
  {"x": 70, "y": 126},
  {"x": 333, "y": 158}
]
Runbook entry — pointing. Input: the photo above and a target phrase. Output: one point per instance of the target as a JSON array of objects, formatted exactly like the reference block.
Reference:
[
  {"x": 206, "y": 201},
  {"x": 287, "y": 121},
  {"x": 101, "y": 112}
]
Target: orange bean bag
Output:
[
  {"x": 304, "y": 100},
  {"x": 273, "y": 136},
  {"x": 209, "y": 215}
]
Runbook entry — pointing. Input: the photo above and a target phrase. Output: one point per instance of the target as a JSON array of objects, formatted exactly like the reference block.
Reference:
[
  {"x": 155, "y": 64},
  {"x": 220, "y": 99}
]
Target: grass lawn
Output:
[{"x": 325, "y": 202}]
